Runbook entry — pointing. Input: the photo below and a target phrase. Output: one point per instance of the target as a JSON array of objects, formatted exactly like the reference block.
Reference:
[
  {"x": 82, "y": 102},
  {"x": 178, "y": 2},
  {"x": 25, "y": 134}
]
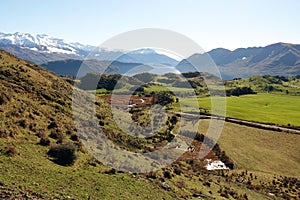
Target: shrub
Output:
[
  {"x": 44, "y": 141},
  {"x": 4, "y": 133},
  {"x": 52, "y": 125},
  {"x": 74, "y": 137},
  {"x": 111, "y": 171},
  {"x": 151, "y": 175},
  {"x": 177, "y": 171},
  {"x": 11, "y": 151},
  {"x": 207, "y": 184},
  {"x": 58, "y": 135},
  {"x": 23, "y": 123},
  {"x": 167, "y": 174},
  {"x": 63, "y": 154}
]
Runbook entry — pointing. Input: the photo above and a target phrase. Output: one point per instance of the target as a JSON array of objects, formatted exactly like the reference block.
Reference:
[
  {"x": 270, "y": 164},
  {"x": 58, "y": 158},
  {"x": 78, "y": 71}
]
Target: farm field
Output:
[
  {"x": 268, "y": 108},
  {"x": 159, "y": 88}
]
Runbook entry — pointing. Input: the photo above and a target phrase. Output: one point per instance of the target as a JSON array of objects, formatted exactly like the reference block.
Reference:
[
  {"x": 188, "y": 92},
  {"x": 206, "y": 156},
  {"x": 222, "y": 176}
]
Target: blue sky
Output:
[{"x": 211, "y": 23}]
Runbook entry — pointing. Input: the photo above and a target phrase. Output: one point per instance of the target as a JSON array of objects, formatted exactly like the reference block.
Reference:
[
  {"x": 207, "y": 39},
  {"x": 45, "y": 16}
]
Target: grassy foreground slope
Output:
[
  {"x": 32, "y": 174},
  {"x": 36, "y": 104}
]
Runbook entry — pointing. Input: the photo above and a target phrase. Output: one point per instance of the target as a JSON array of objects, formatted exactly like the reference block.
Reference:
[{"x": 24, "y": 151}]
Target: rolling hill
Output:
[{"x": 79, "y": 68}]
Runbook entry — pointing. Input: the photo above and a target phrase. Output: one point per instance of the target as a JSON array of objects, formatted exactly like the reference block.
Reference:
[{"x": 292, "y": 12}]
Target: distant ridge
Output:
[{"x": 275, "y": 59}]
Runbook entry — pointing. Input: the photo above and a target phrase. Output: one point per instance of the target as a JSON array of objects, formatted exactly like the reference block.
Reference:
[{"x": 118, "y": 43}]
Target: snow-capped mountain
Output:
[
  {"x": 147, "y": 56},
  {"x": 143, "y": 51},
  {"x": 42, "y": 43},
  {"x": 42, "y": 48}
]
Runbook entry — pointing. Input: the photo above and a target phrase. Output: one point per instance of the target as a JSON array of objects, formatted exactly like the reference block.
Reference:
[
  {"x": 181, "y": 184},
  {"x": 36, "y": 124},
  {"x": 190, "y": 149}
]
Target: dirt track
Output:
[{"x": 243, "y": 122}]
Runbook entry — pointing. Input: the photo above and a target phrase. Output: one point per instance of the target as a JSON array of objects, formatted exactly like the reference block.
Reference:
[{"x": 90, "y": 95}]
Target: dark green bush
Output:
[
  {"x": 44, "y": 141},
  {"x": 167, "y": 174},
  {"x": 74, "y": 137},
  {"x": 111, "y": 171},
  {"x": 240, "y": 91},
  {"x": 63, "y": 154},
  {"x": 177, "y": 171}
]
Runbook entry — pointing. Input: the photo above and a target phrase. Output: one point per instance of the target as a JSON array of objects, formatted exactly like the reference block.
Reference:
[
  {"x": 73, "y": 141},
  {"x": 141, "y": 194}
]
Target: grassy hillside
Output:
[
  {"x": 32, "y": 174},
  {"x": 36, "y": 104},
  {"x": 260, "y": 150},
  {"x": 273, "y": 84},
  {"x": 32, "y": 99},
  {"x": 36, "y": 116}
]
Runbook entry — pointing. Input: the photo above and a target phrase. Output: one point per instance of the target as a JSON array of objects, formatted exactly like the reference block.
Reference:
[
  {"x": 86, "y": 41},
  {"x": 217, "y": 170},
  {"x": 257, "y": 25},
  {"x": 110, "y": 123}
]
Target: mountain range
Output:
[
  {"x": 65, "y": 58},
  {"x": 275, "y": 59},
  {"x": 42, "y": 49}
]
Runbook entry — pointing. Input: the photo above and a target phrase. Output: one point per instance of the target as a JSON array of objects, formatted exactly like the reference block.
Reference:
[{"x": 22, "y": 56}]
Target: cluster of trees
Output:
[
  {"x": 276, "y": 79},
  {"x": 92, "y": 81},
  {"x": 164, "y": 98},
  {"x": 187, "y": 84},
  {"x": 240, "y": 91},
  {"x": 191, "y": 74}
]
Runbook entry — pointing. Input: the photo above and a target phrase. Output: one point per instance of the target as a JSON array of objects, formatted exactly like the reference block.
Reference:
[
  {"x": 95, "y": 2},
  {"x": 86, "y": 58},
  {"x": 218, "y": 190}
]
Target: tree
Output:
[{"x": 269, "y": 88}]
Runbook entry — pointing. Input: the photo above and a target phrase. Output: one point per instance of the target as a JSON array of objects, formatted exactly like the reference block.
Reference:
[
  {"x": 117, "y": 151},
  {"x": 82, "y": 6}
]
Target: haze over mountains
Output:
[{"x": 66, "y": 58}]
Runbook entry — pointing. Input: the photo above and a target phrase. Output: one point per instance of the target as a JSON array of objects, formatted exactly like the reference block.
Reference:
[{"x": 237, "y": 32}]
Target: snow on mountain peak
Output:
[
  {"x": 143, "y": 51},
  {"x": 42, "y": 42}
]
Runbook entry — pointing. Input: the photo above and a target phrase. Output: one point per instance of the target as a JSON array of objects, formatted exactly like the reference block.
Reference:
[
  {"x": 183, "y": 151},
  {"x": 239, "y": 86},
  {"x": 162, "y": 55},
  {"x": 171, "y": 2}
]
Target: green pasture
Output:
[{"x": 269, "y": 108}]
